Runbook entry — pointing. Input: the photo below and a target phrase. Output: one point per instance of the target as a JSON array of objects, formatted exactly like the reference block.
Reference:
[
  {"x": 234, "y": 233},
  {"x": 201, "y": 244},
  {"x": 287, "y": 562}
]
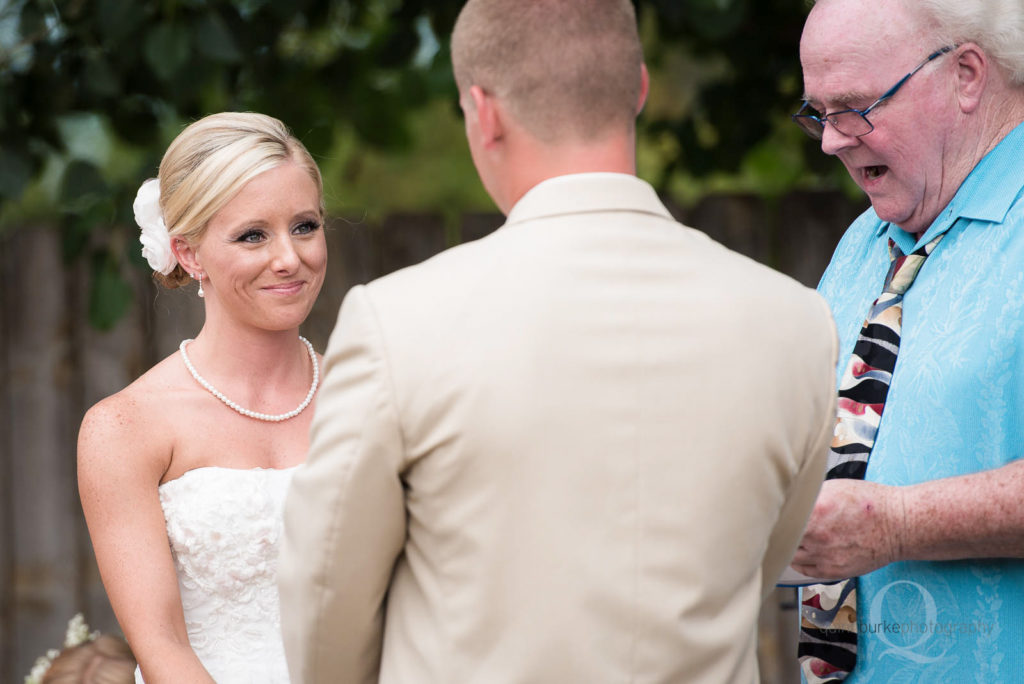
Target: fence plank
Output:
[
  {"x": 811, "y": 224},
  {"x": 170, "y": 317},
  {"x": 739, "y": 222},
  {"x": 42, "y": 448},
  {"x": 8, "y": 290}
]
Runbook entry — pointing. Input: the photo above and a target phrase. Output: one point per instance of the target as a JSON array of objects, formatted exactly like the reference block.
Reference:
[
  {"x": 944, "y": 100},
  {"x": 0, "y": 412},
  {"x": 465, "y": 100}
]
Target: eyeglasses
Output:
[{"x": 854, "y": 122}]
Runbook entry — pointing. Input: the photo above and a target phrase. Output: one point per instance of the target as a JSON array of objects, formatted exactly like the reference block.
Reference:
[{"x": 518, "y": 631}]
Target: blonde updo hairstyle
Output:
[{"x": 209, "y": 163}]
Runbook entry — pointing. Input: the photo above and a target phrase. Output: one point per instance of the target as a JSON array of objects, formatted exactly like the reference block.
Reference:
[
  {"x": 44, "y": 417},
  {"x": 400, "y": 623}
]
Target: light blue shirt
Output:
[{"x": 955, "y": 406}]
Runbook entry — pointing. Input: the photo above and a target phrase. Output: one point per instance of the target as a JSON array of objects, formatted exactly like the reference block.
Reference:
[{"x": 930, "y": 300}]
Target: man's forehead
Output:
[
  {"x": 849, "y": 99},
  {"x": 852, "y": 50},
  {"x": 843, "y": 77},
  {"x": 870, "y": 26}
]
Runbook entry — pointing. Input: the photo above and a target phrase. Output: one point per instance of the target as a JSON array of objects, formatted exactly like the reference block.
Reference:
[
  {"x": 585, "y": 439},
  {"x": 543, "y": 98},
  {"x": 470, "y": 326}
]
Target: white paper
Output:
[{"x": 792, "y": 578}]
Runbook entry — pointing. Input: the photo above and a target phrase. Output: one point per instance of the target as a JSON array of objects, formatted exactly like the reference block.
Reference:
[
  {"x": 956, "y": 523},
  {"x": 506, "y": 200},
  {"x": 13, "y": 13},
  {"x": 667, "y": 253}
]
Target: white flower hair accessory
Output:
[{"x": 156, "y": 241}]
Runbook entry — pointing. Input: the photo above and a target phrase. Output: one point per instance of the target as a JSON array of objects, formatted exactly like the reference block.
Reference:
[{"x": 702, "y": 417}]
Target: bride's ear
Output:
[{"x": 186, "y": 255}]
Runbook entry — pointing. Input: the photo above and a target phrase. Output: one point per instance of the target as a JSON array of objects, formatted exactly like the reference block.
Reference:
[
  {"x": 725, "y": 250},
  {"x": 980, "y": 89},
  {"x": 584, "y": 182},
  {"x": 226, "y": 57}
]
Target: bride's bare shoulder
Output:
[
  {"x": 139, "y": 418},
  {"x": 148, "y": 397}
]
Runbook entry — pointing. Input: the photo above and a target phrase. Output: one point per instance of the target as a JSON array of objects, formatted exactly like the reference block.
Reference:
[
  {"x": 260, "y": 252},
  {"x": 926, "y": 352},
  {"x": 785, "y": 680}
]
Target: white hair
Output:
[{"x": 997, "y": 26}]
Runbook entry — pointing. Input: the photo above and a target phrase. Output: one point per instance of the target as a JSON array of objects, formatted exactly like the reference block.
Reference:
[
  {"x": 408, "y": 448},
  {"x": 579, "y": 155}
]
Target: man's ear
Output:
[
  {"x": 489, "y": 116},
  {"x": 972, "y": 72},
  {"x": 186, "y": 255},
  {"x": 645, "y": 84}
]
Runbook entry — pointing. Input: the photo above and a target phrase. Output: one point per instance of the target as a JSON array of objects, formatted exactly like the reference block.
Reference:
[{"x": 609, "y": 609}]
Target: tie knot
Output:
[{"x": 903, "y": 268}]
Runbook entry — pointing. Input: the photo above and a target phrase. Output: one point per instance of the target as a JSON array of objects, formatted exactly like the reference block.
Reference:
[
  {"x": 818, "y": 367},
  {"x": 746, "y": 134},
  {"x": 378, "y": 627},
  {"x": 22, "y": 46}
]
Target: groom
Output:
[{"x": 581, "y": 449}]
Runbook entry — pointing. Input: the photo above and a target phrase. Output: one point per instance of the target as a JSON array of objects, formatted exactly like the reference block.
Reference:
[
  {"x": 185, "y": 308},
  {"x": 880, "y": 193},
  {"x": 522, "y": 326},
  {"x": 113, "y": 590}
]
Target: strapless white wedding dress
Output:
[{"x": 224, "y": 527}]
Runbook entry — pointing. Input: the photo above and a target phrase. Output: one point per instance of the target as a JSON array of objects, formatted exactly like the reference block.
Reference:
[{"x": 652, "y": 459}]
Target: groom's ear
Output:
[
  {"x": 489, "y": 117},
  {"x": 645, "y": 84}
]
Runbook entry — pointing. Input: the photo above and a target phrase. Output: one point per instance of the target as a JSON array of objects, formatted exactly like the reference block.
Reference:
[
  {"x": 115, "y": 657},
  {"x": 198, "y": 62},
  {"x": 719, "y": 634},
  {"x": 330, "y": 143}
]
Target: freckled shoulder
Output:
[{"x": 134, "y": 428}]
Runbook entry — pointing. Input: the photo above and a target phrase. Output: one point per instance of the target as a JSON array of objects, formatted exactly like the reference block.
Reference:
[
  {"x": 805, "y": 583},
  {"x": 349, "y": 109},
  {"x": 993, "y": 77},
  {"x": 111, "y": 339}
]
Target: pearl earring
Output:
[{"x": 200, "y": 293}]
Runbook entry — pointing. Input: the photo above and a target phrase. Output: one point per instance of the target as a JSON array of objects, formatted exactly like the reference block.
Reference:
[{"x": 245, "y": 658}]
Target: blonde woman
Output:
[{"x": 182, "y": 474}]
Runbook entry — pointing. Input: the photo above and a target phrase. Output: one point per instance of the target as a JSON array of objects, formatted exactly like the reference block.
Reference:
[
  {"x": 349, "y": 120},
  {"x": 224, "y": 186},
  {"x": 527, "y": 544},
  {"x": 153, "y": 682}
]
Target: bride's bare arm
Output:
[{"x": 122, "y": 455}]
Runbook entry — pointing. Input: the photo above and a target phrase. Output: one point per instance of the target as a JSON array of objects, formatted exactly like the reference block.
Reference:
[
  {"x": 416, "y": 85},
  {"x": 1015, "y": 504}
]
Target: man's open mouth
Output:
[{"x": 874, "y": 172}]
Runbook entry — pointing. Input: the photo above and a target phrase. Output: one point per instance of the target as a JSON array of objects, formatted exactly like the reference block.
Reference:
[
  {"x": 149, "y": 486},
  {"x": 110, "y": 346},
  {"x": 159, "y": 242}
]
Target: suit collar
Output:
[{"x": 584, "y": 193}]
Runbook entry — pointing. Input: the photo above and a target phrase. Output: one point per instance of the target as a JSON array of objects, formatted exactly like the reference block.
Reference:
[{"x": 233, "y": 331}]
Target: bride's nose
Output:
[{"x": 285, "y": 258}]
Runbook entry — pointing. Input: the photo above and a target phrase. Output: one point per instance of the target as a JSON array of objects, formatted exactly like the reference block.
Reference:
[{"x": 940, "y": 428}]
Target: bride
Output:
[{"x": 183, "y": 473}]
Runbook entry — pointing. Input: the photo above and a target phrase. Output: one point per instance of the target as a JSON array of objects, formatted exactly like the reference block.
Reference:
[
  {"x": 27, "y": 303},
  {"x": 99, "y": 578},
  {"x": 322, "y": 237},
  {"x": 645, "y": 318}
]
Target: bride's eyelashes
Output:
[
  {"x": 256, "y": 235},
  {"x": 307, "y": 227},
  {"x": 251, "y": 236}
]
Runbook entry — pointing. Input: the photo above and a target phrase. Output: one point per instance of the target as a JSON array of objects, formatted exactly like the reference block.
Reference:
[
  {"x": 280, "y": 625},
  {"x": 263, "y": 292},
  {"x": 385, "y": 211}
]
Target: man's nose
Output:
[{"x": 834, "y": 141}]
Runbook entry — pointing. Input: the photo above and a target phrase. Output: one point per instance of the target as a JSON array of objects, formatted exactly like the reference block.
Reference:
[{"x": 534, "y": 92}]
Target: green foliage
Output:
[
  {"x": 111, "y": 294},
  {"x": 748, "y": 51},
  {"x": 91, "y": 92},
  {"x": 310, "y": 63}
]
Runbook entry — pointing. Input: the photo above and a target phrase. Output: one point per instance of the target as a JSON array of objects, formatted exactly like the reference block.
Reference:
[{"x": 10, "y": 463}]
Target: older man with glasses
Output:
[{"x": 922, "y": 515}]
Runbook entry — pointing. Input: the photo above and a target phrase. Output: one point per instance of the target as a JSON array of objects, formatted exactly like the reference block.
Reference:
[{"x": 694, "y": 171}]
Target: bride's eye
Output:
[
  {"x": 306, "y": 227},
  {"x": 250, "y": 237}
]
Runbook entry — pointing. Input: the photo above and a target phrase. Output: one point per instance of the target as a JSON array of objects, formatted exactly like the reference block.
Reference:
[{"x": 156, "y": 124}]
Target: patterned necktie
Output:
[{"x": 828, "y": 612}]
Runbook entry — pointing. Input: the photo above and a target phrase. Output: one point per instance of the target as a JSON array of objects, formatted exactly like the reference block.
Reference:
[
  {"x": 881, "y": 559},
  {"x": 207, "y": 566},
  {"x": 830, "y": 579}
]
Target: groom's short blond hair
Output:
[{"x": 567, "y": 69}]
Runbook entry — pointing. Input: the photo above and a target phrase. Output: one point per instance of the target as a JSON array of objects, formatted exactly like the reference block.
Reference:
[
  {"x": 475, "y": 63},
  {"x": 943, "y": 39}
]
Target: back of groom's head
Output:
[{"x": 568, "y": 70}]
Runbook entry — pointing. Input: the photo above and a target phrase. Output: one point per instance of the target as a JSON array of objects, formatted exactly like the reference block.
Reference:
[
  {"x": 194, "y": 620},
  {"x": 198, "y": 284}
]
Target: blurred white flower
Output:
[
  {"x": 78, "y": 633},
  {"x": 156, "y": 241},
  {"x": 41, "y": 666}
]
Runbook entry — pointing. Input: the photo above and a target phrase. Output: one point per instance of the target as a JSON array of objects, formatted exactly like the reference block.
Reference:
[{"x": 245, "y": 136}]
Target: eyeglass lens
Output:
[{"x": 848, "y": 122}]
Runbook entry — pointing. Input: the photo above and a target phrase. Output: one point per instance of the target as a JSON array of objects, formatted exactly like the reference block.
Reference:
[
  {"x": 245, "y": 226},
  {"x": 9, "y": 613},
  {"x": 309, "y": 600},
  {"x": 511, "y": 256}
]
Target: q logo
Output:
[{"x": 905, "y": 625}]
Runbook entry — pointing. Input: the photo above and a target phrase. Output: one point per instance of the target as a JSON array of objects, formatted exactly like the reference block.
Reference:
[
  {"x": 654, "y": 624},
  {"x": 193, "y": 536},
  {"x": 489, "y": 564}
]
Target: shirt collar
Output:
[
  {"x": 987, "y": 193},
  {"x": 587, "y": 192}
]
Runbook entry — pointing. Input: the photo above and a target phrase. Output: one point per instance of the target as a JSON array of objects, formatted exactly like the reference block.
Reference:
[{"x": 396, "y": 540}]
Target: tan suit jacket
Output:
[{"x": 581, "y": 449}]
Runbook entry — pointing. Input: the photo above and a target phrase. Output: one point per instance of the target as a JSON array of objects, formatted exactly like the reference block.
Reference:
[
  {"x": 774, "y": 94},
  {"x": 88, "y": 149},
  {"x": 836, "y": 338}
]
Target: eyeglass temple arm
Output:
[{"x": 892, "y": 91}]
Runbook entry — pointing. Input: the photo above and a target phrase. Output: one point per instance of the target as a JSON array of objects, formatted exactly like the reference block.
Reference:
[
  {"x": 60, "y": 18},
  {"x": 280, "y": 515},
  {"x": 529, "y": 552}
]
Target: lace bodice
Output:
[{"x": 224, "y": 527}]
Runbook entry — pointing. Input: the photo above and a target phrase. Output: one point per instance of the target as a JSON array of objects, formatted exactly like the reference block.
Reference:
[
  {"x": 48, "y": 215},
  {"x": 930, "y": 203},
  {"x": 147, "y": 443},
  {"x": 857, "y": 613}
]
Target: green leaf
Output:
[
  {"x": 166, "y": 50},
  {"x": 100, "y": 79},
  {"x": 136, "y": 122},
  {"x": 717, "y": 19},
  {"x": 76, "y": 229},
  {"x": 81, "y": 185},
  {"x": 74, "y": 238},
  {"x": 247, "y": 8},
  {"x": 110, "y": 295},
  {"x": 15, "y": 172},
  {"x": 774, "y": 166},
  {"x": 214, "y": 39},
  {"x": 118, "y": 20},
  {"x": 33, "y": 24},
  {"x": 16, "y": 49}
]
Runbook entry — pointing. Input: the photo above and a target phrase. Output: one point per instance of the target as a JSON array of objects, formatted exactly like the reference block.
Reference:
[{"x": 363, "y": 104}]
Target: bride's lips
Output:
[{"x": 286, "y": 288}]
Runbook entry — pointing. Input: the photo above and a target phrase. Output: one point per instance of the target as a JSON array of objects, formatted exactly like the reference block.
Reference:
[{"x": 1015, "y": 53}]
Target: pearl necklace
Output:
[{"x": 255, "y": 414}]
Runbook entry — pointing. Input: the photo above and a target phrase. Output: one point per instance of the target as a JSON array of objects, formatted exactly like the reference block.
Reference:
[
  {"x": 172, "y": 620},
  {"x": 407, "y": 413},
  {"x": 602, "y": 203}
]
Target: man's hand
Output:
[{"x": 855, "y": 527}]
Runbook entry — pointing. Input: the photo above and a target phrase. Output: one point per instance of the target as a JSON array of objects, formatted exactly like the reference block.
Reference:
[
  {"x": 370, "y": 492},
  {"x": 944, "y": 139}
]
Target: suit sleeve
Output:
[
  {"x": 803, "y": 489},
  {"x": 344, "y": 518}
]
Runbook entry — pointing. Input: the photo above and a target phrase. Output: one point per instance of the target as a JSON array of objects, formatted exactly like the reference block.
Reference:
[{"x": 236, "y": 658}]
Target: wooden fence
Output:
[{"x": 54, "y": 365}]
